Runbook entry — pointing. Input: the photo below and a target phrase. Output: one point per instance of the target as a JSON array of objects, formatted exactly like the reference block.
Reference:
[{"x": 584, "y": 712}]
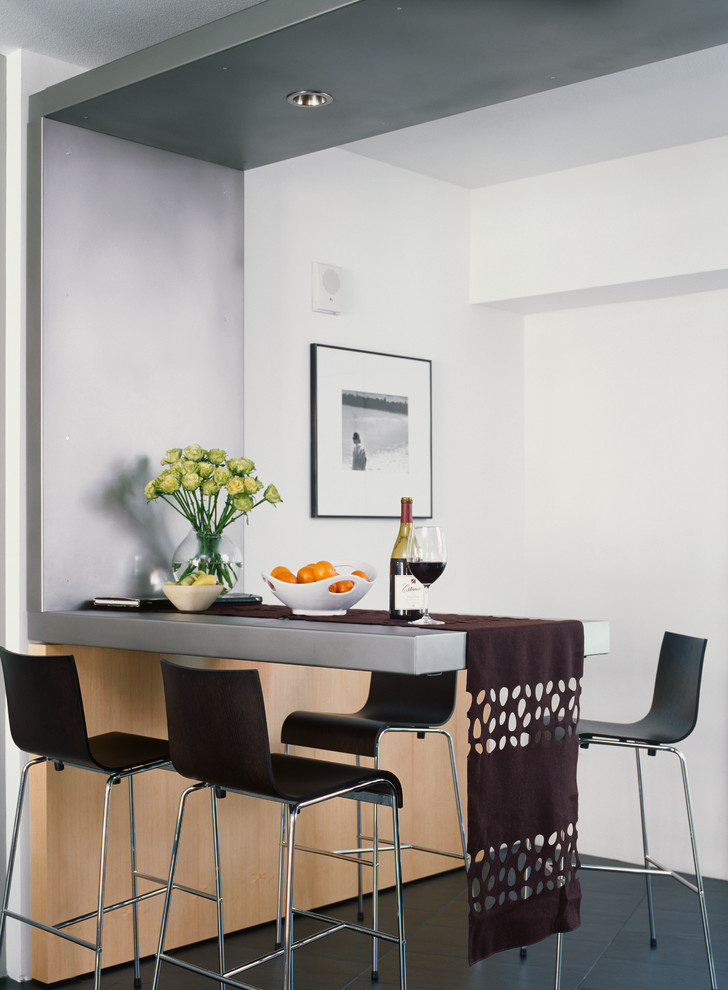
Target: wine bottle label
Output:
[{"x": 408, "y": 593}]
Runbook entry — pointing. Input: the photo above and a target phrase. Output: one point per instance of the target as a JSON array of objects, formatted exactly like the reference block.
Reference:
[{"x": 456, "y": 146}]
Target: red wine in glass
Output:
[
  {"x": 426, "y": 571},
  {"x": 426, "y": 559}
]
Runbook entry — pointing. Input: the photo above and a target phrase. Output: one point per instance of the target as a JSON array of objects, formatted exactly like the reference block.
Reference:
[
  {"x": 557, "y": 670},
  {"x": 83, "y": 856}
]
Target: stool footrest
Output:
[
  {"x": 338, "y": 925},
  {"x": 193, "y": 890},
  {"x": 107, "y": 908},
  {"x": 654, "y": 870},
  {"x": 152, "y": 879},
  {"x": 387, "y": 845},
  {"x": 356, "y": 855},
  {"x": 221, "y": 978},
  {"x": 335, "y": 854},
  {"x": 51, "y": 929},
  {"x": 335, "y": 925}
]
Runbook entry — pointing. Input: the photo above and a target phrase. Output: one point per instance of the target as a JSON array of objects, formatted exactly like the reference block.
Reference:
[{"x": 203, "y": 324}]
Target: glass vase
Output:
[{"x": 209, "y": 553}]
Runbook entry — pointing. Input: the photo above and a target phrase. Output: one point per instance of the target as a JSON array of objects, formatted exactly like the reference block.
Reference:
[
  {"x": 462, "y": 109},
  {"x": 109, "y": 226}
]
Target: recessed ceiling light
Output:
[{"x": 309, "y": 98}]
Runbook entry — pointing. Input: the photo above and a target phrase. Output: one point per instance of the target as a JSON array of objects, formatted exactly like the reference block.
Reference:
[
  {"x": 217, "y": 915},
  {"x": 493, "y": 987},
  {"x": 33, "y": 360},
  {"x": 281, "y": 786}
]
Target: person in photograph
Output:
[{"x": 359, "y": 455}]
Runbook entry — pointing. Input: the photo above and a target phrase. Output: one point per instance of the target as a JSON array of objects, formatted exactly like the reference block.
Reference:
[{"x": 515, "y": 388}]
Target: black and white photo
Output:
[{"x": 371, "y": 429}]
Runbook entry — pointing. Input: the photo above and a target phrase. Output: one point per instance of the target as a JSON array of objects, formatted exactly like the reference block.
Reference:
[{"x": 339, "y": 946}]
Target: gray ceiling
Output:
[
  {"x": 91, "y": 32},
  {"x": 649, "y": 108},
  {"x": 490, "y": 75}
]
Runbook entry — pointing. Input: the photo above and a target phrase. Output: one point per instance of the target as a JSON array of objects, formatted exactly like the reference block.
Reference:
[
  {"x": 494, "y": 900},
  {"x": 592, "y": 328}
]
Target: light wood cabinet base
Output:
[{"x": 123, "y": 690}]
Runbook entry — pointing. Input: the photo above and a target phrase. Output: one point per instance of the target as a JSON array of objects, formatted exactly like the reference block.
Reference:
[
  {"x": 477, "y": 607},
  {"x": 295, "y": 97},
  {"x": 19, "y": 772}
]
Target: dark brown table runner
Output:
[{"x": 524, "y": 681}]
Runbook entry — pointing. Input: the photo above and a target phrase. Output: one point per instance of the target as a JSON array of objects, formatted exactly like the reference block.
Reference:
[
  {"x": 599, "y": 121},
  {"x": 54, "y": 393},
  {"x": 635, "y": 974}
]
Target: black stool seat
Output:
[
  {"x": 300, "y": 780},
  {"x": 673, "y": 713},
  {"x": 219, "y": 736},
  {"x": 395, "y": 701},
  {"x": 46, "y": 716},
  {"x": 645, "y": 730},
  {"x": 672, "y": 717},
  {"x": 353, "y": 733},
  {"x": 112, "y": 751}
]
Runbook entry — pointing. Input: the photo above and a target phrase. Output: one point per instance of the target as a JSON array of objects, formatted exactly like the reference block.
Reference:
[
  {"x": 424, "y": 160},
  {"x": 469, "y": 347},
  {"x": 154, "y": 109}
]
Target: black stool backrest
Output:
[
  {"x": 45, "y": 709},
  {"x": 217, "y": 727},
  {"x": 401, "y": 698},
  {"x": 674, "y": 710}
]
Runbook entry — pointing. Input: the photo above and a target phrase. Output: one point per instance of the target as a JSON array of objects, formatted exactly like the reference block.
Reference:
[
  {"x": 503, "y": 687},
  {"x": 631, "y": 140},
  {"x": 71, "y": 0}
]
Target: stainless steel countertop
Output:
[{"x": 403, "y": 649}]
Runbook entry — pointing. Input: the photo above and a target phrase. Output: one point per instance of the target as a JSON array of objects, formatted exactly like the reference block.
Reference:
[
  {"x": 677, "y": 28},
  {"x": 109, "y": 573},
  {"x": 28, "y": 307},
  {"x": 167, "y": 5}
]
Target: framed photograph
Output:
[{"x": 371, "y": 433}]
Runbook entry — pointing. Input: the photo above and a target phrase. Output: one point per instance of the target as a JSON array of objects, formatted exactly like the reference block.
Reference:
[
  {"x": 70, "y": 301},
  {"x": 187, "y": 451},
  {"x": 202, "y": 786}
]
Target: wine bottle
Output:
[{"x": 405, "y": 591}]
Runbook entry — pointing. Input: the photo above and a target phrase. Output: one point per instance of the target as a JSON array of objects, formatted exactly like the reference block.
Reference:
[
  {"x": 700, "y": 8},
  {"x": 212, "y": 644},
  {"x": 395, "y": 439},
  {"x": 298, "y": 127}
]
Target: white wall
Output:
[
  {"x": 626, "y": 450},
  {"x": 401, "y": 240},
  {"x": 623, "y": 498},
  {"x": 657, "y": 216},
  {"x": 626, "y": 494}
]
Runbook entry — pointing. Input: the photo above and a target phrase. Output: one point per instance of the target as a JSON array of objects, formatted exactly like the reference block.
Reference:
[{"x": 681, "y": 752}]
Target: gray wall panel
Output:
[{"x": 142, "y": 349}]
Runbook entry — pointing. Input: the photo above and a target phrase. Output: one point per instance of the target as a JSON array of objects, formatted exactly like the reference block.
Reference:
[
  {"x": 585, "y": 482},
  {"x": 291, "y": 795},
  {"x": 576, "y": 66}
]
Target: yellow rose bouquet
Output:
[{"x": 211, "y": 491}]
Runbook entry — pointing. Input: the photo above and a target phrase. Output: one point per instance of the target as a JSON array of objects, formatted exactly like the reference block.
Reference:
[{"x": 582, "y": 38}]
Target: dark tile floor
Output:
[{"x": 610, "y": 951}]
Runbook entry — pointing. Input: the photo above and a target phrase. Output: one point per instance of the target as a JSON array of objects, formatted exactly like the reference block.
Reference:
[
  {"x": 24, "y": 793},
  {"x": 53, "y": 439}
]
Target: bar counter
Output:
[
  {"x": 286, "y": 639},
  {"x": 303, "y": 664}
]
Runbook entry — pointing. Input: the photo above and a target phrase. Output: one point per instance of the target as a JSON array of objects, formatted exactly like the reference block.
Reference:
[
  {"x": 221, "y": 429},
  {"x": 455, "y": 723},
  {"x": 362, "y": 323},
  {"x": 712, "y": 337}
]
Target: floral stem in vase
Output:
[{"x": 211, "y": 491}]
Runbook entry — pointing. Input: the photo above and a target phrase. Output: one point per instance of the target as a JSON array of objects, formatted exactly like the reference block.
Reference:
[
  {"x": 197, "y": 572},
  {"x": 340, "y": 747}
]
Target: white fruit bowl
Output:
[
  {"x": 316, "y": 599},
  {"x": 192, "y": 597}
]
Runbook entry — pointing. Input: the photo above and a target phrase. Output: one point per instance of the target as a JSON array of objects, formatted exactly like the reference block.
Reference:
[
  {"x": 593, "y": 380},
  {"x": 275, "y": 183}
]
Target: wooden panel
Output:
[{"x": 123, "y": 690}]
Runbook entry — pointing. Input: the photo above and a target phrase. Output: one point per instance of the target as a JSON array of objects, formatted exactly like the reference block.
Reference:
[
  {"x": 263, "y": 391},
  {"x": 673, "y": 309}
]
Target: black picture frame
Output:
[{"x": 386, "y": 401}]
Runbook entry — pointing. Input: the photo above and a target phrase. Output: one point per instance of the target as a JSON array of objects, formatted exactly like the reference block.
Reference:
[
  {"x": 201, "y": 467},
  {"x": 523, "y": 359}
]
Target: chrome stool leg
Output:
[
  {"x": 170, "y": 881},
  {"x": 281, "y": 873},
  {"x": 375, "y": 884},
  {"x": 215, "y": 795},
  {"x": 14, "y": 842},
  {"x": 652, "y": 866},
  {"x": 561, "y": 882},
  {"x": 458, "y": 801},
  {"x": 559, "y": 953},
  {"x": 359, "y": 869},
  {"x": 399, "y": 886},
  {"x": 646, "y": 853},
  {"x": 111, "y": 781},
  {"x": 135, "y": 905},
  {"x": 698, "y": 874},
  {"x": 375, "y": 863},
  {"x": 291, "y": 819}
]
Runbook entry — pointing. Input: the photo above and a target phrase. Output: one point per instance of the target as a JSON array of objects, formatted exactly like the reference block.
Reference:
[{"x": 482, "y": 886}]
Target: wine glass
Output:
[{"x": 426, "y": 559}]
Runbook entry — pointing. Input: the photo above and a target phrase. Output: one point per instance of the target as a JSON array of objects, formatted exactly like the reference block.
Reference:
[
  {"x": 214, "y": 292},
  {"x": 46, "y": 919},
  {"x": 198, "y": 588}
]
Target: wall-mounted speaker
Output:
[{"x": 326, "y": 285}]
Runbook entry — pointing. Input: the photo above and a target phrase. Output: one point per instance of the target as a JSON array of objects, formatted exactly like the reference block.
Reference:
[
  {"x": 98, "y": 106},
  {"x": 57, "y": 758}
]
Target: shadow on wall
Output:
[{"x": 123, "y": 502}]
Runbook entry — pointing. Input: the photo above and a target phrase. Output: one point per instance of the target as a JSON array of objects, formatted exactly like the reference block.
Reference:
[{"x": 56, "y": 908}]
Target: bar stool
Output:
[
  {"x": 218, "y": 736},
  {"x": 671, "y": 718},
  {"x": 46, "y": 716},
  {"x": 396, "y": 703}
]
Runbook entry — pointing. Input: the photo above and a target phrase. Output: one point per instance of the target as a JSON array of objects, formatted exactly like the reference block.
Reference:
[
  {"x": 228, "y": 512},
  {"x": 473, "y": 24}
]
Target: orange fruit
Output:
[
  {"x": 360, "y": 574},
  {"x": 287, "y": 576},
  {"x": 324, "y": 569},
  {"x": 306, "y": 575},
  {"x": 341, "y": 587}
]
